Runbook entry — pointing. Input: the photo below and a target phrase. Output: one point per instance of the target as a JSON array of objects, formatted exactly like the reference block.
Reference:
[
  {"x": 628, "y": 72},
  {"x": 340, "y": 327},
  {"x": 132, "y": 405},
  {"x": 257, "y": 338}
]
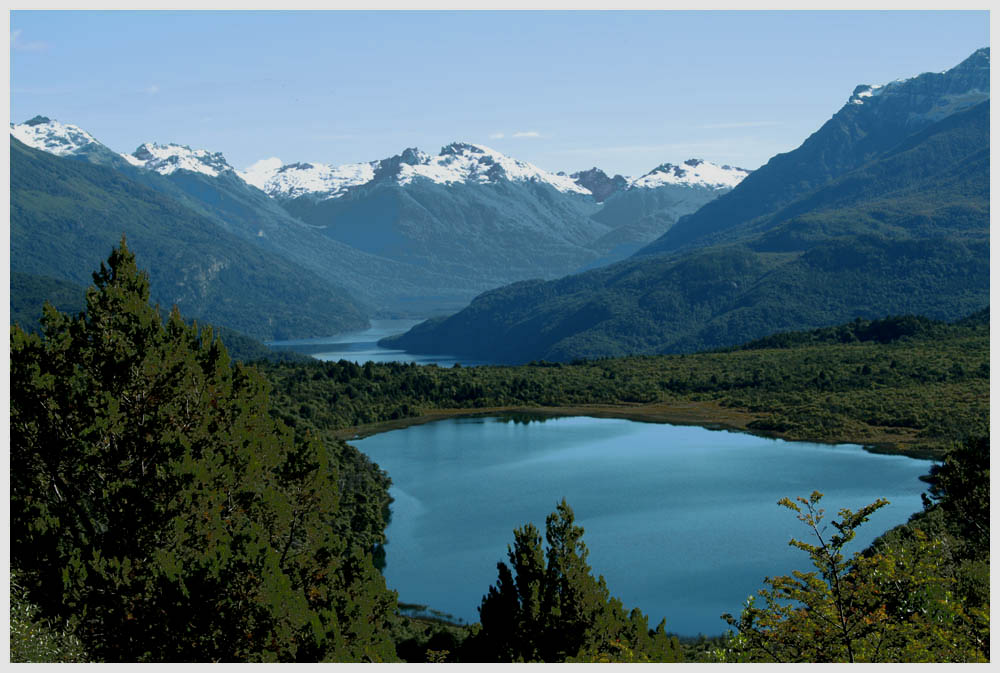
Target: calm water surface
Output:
[
  {"x": 681, "y": 521},
  {"x": 362, "y": 346}
]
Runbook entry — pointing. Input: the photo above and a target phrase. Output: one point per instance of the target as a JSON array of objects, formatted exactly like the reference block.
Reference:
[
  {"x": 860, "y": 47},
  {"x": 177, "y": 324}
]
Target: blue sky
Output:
[{"x": 624, "y": 91}]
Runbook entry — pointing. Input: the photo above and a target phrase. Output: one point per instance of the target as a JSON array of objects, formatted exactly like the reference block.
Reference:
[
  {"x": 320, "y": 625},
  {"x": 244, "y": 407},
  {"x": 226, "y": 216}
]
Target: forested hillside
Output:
[
  {"x": 874, "y": 121},
  {"x": 64, "y": 213},
  {"x": 904, "y": 232},
  {"x": 907, "y": 383}
]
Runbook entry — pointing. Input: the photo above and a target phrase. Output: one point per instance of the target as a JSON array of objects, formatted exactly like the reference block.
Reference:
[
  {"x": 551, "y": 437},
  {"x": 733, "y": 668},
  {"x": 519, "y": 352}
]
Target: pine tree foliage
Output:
[
  {"x": 961, "y": 485},
  {"x": 547, "y": 606},
  {"x": 158, "y": 506}
]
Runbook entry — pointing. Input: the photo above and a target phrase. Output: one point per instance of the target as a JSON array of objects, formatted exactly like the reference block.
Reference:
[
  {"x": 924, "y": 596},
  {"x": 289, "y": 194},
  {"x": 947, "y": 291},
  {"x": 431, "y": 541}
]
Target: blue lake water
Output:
[
  {"x": 681, "y": 521},
  {"x": 362, "y": 346}
]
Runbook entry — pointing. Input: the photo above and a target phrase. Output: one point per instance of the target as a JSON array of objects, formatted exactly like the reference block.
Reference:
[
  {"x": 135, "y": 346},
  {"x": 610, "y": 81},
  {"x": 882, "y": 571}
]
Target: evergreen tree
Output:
[
  {"x": 551, "y": 608},
  {"x": 961, "y": 485},
  {"x": 158, "y": 506}
]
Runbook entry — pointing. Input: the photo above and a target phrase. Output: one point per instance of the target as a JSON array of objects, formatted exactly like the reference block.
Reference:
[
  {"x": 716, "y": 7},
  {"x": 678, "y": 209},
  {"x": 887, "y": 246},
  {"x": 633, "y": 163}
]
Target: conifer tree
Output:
[
  {"x": 551, "y": 608},
  {"x": 158, "y": 507}
]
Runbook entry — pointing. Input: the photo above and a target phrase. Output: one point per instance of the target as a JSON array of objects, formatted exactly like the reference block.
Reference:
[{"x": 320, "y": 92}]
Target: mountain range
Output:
[
  {"x": 66, "y": 215},
  {"x": 469, "y": 210},
  {"x": 409, "y": 235},
  {"x": 883, "y": 210}
]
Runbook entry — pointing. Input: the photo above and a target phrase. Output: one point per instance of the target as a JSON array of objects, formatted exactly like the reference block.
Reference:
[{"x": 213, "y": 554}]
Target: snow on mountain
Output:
[
  {"x": 50, "y": 136},
  {"x": 466, "y": 162},
  {"x": 931, "y": 96},
  {"x": 457, "y": 163},
  {"x": 293, "y": 180},
  {"x": 693, "y": 172},
  {"x": 166, "y": 159},
  {"x": 463, "y": 163},
  {"x": 62, "y": 140}
]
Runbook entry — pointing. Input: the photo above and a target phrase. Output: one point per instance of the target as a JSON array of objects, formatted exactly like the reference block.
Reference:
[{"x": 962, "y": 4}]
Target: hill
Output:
[
  {"x": 906, "y": 230},
  {"x": 66, "y": 215}
]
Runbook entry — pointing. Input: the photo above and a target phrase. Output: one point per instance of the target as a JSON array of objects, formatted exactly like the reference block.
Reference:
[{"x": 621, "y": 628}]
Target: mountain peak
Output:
[
  {"x": 298, "y": 179},
  {"x": 598, "y": 183},
  {"x": 166, "y": 159},
  {"x": 50, "y": 136},
  {"x": 457, "y": 148},
  {"x": 978, "y": 60},
  {"x": 462, "y": 162},
  {"x": 692, "y": 172},
  {"x": 929, "y": 96}
]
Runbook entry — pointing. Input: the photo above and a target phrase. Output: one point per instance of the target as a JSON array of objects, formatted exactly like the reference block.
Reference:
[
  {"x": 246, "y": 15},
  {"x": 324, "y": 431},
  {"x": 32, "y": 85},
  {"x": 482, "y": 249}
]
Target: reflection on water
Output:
[
  {"x": 683, "y": 522},
  {"x": 362, "y": 346}
]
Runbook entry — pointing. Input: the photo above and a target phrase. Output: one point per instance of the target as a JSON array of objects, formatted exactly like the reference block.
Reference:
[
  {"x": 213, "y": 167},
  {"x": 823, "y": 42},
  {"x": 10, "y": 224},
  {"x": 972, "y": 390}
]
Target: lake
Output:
[
  {"x": 362, "y": 346},
  {"x": 681, "y": 521}
]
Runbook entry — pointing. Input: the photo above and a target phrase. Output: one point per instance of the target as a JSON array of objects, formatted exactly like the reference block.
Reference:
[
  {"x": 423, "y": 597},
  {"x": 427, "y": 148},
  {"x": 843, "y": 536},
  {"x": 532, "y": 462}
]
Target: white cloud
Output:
[
  {"x": 152, "y": 89},
  {"x": 527, "y": 134},
  {"x": 18, "y": 44},
  {"x": 738, "y": 125},
  {"x": 496, "y": 136}
]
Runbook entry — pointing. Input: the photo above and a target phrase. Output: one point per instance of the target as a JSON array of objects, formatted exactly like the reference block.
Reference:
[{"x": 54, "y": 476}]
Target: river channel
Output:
[{"x": 362, "y": 346}]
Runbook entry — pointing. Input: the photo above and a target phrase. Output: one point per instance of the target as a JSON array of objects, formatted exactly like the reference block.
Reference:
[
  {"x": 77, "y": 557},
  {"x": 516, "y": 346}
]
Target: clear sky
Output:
[{"x": 624, "y": 91}]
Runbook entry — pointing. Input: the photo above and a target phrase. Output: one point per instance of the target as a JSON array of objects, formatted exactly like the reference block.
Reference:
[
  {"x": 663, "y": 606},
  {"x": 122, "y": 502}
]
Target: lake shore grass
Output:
[{"x": 707, "y": 414}]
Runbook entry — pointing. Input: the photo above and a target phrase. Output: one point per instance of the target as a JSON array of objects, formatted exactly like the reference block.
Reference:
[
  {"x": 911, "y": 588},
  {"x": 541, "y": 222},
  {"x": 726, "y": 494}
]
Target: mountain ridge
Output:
[
  {"x": 862, "y": 128},
  {"x": 415, "y": 234},
  {"x": 65, "y": 212},
  {"x": 457, "y": 162},
  {"x": 904, "y": 229}
]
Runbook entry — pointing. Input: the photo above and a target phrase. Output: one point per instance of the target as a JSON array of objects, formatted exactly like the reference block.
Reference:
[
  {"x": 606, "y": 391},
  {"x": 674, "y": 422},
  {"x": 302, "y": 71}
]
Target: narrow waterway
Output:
[{"x": 362, "y": 346}]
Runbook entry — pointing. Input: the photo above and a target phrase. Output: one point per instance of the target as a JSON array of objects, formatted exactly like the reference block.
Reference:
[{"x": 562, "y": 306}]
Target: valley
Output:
[
  {"x": 412, "y": 235},
  {"x": 362, "y": 346},
  {"x": 449, "y": 406}
]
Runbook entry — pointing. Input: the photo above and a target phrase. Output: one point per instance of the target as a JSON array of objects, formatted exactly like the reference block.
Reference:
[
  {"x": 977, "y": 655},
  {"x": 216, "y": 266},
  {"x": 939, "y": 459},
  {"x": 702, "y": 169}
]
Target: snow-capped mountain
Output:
[
  {"x": 50, "y": 136},
  {"x": 64, "y": 140},
  {"x": 166, "y": 159},
  {"x": 457, "y": 163},
  {"x": 293, "y": 180},
  {"x": 693, "y": 172},
  {"x": 477, "y": 216},
  {"x": 470, "y": 163}
]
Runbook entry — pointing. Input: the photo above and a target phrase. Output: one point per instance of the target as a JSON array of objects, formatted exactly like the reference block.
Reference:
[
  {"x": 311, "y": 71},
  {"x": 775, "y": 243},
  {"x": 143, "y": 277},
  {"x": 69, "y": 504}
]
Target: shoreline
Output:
[{"x": 708, "y": 415}]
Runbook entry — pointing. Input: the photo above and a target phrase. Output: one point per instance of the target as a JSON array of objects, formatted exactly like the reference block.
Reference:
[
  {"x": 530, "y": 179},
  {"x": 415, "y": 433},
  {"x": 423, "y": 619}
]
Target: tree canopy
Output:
[
  {"x": 158, "y": 506},
  {"x": 547, "y": 606},
  {"x": 897, "y": 601}
]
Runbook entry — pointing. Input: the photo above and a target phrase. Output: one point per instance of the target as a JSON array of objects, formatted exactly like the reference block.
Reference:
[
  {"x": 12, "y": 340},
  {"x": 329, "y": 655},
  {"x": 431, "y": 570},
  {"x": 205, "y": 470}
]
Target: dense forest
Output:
[
  {"x": 172, "y": 503},
  {"x": 905, "y": 383}
]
